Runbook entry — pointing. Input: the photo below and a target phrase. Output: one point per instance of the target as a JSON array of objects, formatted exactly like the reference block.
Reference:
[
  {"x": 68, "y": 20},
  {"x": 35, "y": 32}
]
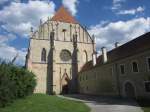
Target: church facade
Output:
[{"x": 57, "y": 51}]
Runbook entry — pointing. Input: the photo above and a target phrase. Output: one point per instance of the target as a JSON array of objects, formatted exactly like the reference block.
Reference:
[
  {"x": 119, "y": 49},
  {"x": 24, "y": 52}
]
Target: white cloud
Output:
[
  {"x": 8, "y": 53},
  {"x": 71, "y": 5},
  {"x": 4, "y": 1},
  {"x": 120, "y": 31},
  {"x": 19, "y": 17},
  {"x": 117, "y": 8},
  {"x": 117, "y": 4},
  {"x": 6, "y": 37},
  {"x": 131, "y": 11},
  {"x": 116, "y": 1},
  {"x": 140, "y": 9}
]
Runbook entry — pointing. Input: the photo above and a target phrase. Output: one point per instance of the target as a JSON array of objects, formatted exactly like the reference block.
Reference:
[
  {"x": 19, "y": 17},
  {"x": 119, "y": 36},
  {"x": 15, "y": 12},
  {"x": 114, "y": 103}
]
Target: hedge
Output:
[{"x": 15, "y": 82}]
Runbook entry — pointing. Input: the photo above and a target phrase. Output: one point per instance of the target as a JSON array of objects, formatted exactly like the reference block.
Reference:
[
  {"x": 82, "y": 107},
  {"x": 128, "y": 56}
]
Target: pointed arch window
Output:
[
  {"x": 85, "y": 56},
  {"x": 43, "y": 55}
]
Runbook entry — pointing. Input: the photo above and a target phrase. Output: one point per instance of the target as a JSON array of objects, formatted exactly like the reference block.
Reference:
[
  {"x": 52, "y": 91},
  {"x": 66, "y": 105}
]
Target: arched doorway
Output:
[
  {"x": 65, "y": 84},
  {"x": 129, "y": 90}
]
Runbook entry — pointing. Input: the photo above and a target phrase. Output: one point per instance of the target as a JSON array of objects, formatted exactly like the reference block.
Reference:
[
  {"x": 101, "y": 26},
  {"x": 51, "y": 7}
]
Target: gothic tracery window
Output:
[{"x": 65, "y": 55}]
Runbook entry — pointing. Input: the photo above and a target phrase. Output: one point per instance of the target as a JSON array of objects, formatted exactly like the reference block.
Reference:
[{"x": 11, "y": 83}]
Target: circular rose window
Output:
[{"x": 65, "y": 55}]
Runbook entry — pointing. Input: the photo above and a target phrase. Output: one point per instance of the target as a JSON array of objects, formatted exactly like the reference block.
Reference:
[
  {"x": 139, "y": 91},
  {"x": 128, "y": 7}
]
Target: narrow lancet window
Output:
[{"x": 43, "y": 55}]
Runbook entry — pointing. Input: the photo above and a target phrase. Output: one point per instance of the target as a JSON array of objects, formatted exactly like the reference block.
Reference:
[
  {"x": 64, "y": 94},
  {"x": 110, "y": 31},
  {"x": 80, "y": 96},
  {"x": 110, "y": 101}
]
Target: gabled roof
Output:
[
  {"x": 140, "y": 44},
  {"x": 62, "y": 15}
]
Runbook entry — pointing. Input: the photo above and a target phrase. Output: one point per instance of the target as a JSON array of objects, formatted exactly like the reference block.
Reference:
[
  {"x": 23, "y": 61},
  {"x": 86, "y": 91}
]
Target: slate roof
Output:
[
  {"x": 62, "y": 15},
  {"x": 140, "y": 44}
]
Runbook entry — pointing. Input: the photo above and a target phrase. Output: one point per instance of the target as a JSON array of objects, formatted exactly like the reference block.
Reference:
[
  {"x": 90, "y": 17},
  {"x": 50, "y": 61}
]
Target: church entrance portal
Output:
[{"x": 65, "y": 84}]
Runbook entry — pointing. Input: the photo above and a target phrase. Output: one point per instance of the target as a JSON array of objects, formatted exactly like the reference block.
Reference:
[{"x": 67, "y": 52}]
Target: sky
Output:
[{"x": 109, "y": 20}]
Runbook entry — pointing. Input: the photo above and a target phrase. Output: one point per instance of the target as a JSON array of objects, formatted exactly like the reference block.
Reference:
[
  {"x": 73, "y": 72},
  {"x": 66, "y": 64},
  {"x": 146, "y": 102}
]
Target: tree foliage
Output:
[{"x": 15, "y": 82}]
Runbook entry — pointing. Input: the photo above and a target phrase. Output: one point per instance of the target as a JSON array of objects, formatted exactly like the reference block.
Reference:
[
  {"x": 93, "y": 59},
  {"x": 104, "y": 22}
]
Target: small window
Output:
[
  {"x": 122, "y": 69},
  {"x": 95, "y": 76},
  {"x": 148, "y": 63},
  {"x": 86, "y": 77},
  {"x": 80, "y": 78},
  {"x": 83, "y": 77},
  {"x": 64, "y": 31},
  {"x": 87, "y": 88},
  {"x": 147, "y": 86},
  {"x": 111, "y": 71},
  {"x": 135, "y": 67}
]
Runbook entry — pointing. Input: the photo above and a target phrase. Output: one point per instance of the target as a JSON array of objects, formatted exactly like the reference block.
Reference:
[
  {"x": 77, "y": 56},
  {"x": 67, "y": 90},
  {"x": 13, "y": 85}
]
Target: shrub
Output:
[
  {"x": 15, "y": 82},
  {"x": 7, "y": 87}
]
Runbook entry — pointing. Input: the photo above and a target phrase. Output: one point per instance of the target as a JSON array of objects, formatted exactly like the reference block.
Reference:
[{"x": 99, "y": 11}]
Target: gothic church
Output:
[{"x": 57, "y": 51}]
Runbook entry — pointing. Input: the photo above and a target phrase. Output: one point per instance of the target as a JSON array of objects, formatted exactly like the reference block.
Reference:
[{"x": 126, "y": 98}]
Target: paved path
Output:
[{"x": 106, "y": 104}]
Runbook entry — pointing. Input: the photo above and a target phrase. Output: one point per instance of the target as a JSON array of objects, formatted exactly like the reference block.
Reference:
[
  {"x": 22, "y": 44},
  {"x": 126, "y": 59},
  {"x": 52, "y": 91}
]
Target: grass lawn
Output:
[
  {"x": 146, "y": 109},
  {"x": 145, "y": 104},
  {"x": 45, "y": 103}
]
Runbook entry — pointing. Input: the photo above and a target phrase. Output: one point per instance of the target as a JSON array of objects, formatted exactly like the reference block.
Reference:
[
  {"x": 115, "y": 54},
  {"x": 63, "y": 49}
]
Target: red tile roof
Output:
[
  {"x": 140, "y": 44},
  {"x": 87, "y": 66},
  {"x": 63, "y": 15}
]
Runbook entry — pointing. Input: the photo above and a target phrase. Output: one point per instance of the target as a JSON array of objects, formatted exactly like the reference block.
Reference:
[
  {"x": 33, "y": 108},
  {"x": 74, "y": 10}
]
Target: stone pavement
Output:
[{"x": 106, "y": 104}]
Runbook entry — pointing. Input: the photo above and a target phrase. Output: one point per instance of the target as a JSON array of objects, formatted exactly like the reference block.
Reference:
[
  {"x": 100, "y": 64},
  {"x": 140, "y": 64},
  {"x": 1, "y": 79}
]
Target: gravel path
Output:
[{"x": 106, "y": 104}]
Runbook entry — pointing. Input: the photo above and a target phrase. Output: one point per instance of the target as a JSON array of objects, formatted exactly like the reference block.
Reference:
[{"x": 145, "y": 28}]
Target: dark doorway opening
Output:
[
  {"x": 129, "y": 90},
  {"x": 65, "y": 84},
  {"x": 65, "y": 89}
]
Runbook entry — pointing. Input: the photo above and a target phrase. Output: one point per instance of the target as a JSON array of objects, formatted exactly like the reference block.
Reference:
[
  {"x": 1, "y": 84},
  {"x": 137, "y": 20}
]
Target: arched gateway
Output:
[
  {"x": 65, "y": 84},
  {"x": 129, "y": 90}
]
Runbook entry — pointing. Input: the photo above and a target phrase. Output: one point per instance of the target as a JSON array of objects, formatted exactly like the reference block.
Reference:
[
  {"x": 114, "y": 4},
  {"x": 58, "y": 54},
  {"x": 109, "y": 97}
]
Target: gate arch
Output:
[
  {"x": 129, "y": 90},
  {"x": 65, "y": 84}
]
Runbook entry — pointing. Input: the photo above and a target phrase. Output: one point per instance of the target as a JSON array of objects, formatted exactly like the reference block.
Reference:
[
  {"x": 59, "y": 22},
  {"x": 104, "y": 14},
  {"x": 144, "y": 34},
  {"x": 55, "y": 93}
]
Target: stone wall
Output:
[
  {"x": 108, "y": 80},
  {"x": 98, "y": 81}
]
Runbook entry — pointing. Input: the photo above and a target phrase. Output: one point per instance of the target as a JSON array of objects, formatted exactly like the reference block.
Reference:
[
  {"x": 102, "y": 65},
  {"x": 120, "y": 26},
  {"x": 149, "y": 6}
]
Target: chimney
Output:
[
  {"x": 94, "y": 58},
  {"x": 117, "y": 44},
  {"x": 104, "y": 54}
]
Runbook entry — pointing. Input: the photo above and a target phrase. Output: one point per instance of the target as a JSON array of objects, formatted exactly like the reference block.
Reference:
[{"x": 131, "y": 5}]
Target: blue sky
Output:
[{"x": 109, "y": 20}]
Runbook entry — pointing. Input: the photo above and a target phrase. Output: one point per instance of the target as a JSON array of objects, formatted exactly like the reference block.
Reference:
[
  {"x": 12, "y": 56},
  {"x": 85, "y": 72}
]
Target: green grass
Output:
[
  {"x": 145, "y": 104},
  {"x": 45, "y": 103},
  {"x": 146, "y": 109}
]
